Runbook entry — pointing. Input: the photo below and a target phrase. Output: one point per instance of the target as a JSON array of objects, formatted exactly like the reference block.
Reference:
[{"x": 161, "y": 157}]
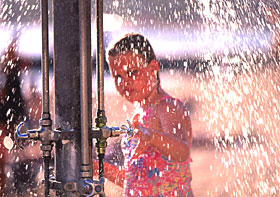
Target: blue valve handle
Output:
[
  {"x": 128, "y": 128},
  {"x": 25, "y": 135},
  {"x": 96, "y": 186}
]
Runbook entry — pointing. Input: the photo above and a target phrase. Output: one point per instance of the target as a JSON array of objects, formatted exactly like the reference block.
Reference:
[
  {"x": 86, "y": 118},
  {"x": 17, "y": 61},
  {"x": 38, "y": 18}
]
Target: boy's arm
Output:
[
  {"x": 111, "y": 172},
  {"x": 174, "y": 140}
]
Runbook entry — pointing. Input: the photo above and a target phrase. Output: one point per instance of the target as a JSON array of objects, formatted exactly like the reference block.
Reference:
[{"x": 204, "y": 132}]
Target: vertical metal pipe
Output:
[
  {"x": 45, "y": 85},
  {"x": 85, "y": 64},
  {"x": 101, "y": 165},
  {"x": 101, "y": 118},
  {"x": 45, "y": 59},
  {"x": 100, "y": 56},
  {"x": 47, "y": 176}
]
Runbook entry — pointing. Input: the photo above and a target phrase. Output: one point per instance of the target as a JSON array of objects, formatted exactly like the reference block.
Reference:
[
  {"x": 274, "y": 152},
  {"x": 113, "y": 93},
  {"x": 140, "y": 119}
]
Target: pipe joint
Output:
[{"x": 46, "y": 122}]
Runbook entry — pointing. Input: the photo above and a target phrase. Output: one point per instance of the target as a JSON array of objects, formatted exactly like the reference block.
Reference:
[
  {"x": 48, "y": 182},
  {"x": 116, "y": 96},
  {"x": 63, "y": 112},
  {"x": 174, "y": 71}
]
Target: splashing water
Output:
[
  {"x": 241, "y": 115},
  {"x": 235, "y": 97}
]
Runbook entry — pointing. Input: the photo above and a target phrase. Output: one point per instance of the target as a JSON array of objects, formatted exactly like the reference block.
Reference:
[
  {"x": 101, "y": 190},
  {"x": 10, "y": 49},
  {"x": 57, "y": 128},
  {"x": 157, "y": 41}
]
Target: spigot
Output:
[
  {"x": 125, "y": 129},
  {"x": 46, "y": 136},
  {"x": 106, "y": 132},
  {"x": 97, "y": 187}
]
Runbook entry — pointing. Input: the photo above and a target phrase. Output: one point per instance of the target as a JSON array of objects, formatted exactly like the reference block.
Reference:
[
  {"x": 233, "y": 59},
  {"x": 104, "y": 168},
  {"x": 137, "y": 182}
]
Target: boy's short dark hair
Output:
[{"x": 135, "y": 43}]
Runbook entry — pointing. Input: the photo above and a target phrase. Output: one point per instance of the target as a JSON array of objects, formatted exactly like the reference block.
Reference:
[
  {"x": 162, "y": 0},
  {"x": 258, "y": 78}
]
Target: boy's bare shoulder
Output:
[
  {"x": 171, "y": 113},
  {"x": 171, "y": 106}
]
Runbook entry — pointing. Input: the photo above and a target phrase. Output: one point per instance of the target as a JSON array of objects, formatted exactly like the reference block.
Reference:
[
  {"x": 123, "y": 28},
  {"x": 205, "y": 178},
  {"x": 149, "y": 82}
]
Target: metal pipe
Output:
[
  {"x": 47, "y": 175},
  {"x": 100, "y": 56},
  {"x": 45, "y": 60},
  {"x": 84, "y": 17},
  {"x": 45, "y": 85},
  {"x": 101, "y": 118},
  {"x": 101, "y": 165}
]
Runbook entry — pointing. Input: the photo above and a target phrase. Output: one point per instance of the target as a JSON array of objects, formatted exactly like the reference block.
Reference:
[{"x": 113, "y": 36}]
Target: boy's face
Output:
[{"x": 134, "y": 78}]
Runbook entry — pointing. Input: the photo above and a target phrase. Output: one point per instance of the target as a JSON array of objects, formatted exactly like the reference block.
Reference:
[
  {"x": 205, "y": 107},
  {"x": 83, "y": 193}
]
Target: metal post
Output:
[
  {"x": 67, "y": 92},
  {"x": 85, "y": 68}
]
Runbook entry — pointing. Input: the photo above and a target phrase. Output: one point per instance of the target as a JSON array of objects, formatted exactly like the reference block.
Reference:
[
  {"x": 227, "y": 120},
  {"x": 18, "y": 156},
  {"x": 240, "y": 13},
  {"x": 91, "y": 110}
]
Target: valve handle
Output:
[
  {"x": 129, "y": 123},
  {"x": 25, "y": 135},
  {"x": 127, "y": 128},
  {"x": 18, "y": 136},
  {"x": 97, "y": 186}
]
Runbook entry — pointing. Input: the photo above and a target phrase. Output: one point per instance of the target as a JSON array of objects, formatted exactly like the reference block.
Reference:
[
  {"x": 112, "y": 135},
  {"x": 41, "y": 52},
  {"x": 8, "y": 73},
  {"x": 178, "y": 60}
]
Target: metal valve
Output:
[
  {"x": 116, "y": 131},
  {"x": 44, "y": 133},
  {"x": 97, "y": 187}
]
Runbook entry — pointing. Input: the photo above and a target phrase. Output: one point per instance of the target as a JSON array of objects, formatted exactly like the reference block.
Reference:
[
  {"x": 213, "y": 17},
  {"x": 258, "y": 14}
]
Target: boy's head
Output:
[
  {"x": 135, "y": 43},
  {"x": 133, "y": 64}
]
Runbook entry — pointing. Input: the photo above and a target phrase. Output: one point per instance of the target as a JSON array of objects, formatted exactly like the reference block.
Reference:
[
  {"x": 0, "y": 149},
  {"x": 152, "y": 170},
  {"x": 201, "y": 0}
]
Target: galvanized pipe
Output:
[
  {"x": 47, "y": 176},
  {"x": 45, "y": 85},
  {"x": 100, "y": 56},
  {"x": 45, "y": 59},
  {"x": 85, "y": 65},
  {"x": 101, "y": 118}
]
